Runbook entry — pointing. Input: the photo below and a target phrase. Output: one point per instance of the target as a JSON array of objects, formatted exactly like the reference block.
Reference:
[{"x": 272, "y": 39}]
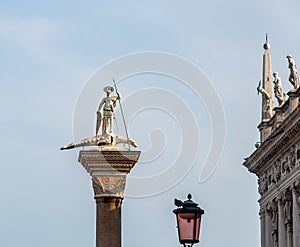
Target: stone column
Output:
[
  {"x": 108, "y": 170},
  {"x": 262, "y": 226},
  {"x": 268, "y": 228},
  {"x": 274, "y": 222},
  {"x": 108, "y": 219},
  {"x": 288, "y": 220},
  {"x": 296, "y": 220},
  {"x": 281, "y": 224}
]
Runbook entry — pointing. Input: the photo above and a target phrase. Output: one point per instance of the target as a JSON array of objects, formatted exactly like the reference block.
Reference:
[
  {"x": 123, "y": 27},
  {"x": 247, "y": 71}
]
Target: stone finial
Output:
[{"x": 267, "y": 44}]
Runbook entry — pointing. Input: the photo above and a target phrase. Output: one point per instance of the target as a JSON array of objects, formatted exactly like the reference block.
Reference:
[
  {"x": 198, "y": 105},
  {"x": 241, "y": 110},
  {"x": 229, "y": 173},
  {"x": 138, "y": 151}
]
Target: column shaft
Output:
[
  {"x": 296, "y": 220},
  {"x": 289, "y": 235},
  {"x": 262, "y": 227},
  {"x": 268, "y": 235},
  {"x": 108, "y": 222},
  {"x": 281, "y": 225}
]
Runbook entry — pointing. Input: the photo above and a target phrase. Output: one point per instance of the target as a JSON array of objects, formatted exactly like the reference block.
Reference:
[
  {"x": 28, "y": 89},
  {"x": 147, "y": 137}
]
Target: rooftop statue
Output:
[
  {"x": 107, "y": 140},
  {"x": 293, "y": 78},
  {"x": 267, "y": 111},
  {"x": 278, "y": 89}
]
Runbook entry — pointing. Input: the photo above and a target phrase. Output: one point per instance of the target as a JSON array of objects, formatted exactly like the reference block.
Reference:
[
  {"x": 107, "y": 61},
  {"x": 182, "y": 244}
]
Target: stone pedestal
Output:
[
  {"x": 293, "y": 100},
  {"x": 265, "y": 129},
  {"x": 108, "y": 170},
  {"x": 279, "y": 115}
]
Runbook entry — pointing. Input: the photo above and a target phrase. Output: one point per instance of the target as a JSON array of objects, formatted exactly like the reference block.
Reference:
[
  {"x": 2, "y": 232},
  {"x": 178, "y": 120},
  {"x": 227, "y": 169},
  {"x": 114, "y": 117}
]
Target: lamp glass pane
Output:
[{"x": 189, "y": 226}]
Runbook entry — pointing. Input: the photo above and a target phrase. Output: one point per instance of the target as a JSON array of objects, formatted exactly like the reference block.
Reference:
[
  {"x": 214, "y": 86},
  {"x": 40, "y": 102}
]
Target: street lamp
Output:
[{"x": 188, "y": 216}]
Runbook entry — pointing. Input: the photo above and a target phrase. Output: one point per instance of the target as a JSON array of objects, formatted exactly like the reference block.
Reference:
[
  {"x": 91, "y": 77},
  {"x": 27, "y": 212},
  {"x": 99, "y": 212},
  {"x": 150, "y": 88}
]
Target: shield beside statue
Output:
[{"x": 99, "y": 119}]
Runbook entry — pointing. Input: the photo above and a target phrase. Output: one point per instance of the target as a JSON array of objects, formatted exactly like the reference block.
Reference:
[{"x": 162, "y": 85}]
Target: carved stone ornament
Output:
[
  {"x": 287, "y": 206},
  {"x": 274, "y": 215},
  {"x": 279, "y": 169},
  {"x": 108, "y": 170},
  {"x": 113, "y": 186}
]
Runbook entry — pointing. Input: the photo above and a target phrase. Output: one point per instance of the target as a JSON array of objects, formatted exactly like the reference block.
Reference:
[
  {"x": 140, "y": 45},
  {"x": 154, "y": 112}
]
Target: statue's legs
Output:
[
  {"x": 111, "y": 124},
  {"x": 104, "y": 125},
  {"x": 296, "y": 80},
  {"x": 293, "y": 78}
]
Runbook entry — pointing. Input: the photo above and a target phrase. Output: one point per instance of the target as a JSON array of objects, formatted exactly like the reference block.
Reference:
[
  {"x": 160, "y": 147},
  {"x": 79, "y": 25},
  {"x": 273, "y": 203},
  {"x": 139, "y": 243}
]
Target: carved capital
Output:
[
  {"x": 108, "y": 170},
  {"x": 296, "y": 186},
  {"x": 109, "y": 186},
  {"x": 287, "y": 205},
  {"x": 280, "y": 198},
  {"x": 263, "y": 184},
  {"x": 262, "y": 213}
]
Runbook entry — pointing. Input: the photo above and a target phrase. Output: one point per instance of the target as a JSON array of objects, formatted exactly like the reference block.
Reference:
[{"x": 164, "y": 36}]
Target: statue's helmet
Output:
[
  {"x": 275, "y": 73},
  {"x": 108, "y": 89},
  {"x": 289, "y": 56}
]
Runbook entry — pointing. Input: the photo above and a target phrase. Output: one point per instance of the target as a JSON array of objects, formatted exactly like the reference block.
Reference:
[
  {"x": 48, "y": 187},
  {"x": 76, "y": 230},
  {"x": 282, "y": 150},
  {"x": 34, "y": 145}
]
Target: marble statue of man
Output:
[
  {"x": 108, "y": 103},
  {"x": 267, "y": 111},
  {"x": 278, "y": 89},
  {"x": 293, "y": 78}
]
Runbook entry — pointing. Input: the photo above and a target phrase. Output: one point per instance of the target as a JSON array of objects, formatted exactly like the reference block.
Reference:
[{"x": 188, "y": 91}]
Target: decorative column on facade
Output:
[
  {"x": 296, "y": 218},
  {"x": 274, "y": 223},
  {"x": 268, "y": 227},
  {"x": 281, "y": 223},
  {"x": 262, "y": 215},
  {"x": 288, "y": 219}
]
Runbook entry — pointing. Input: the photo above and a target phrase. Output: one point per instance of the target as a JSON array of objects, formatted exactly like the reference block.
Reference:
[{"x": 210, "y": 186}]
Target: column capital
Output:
[
  {"x": 108, "y": 170},
  {"x": 262, "y": 213},
  {"x": 296, "y": 186}
]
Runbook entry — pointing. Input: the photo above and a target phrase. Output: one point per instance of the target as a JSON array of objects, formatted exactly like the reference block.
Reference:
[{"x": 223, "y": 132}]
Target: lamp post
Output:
[{"x": 188, "y": 216}]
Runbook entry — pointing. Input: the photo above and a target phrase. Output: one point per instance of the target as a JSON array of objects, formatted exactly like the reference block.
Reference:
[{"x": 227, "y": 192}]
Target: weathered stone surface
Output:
[
  {"x": 108, "y": 170},
  {"x": 276, "y": 162}
]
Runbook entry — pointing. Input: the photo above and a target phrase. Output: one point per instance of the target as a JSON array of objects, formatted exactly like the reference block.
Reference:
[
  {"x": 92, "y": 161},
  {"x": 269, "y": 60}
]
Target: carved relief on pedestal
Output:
[
  {"x": 271, "y": 176},
  {"x": 297, "y": 154},
  {"x": 262, "y": 184},
  {"x": 285, "y": 166},
  {"x": 113, "y": 186},
  {"x": 277, "y": 171},
  {"x": 292, "y": 156}
]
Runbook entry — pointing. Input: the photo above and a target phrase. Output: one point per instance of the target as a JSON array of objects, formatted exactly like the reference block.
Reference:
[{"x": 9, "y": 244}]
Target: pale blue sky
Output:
[{"x": 49, "y": 50}]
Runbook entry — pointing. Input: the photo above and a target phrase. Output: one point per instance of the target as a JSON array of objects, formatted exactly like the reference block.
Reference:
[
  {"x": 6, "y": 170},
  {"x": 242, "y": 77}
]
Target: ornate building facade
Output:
[{"x": 276, "y": 161}]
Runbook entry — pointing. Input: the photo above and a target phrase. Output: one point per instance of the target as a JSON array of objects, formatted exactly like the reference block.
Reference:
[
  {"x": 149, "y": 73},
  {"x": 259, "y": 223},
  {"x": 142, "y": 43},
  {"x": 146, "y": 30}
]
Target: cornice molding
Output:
[{"x": 280, "y": 140}]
